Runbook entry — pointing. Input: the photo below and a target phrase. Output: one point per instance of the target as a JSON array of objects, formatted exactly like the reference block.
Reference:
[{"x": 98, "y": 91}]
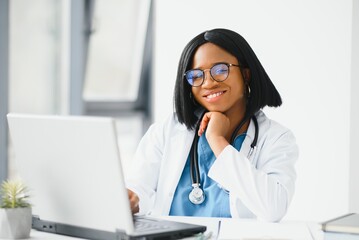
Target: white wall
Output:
[
  {"x": 354, "y": 127},
  {"x": 305, "y": 46}
]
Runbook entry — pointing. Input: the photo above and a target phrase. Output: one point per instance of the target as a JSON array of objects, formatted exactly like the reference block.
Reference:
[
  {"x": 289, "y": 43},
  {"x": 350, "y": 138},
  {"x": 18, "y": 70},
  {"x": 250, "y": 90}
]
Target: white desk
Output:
[
  {"x": 234, "y": 229},
  {"x": 256, "y": 230}
]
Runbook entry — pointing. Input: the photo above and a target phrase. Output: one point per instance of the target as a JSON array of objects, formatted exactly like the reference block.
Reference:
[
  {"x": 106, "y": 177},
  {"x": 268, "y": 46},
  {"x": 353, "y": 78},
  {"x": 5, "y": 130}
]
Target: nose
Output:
[
  {"x": 210, "y": 79},
  {"x": 205, "y": 82}
]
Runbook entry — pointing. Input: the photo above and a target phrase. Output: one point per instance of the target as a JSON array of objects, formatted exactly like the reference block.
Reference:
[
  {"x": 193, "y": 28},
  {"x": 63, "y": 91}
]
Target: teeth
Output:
[{"x": 214, "y": 95}]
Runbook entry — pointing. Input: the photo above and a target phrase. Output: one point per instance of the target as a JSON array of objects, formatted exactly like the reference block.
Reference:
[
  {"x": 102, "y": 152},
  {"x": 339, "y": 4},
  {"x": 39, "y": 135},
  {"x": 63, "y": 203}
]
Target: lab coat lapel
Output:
[{"x": 175, "y": 160}]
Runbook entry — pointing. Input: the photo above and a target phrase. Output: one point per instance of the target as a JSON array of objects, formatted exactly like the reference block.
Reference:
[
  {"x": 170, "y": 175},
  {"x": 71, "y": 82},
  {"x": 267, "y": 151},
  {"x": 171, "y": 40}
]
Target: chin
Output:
[{"x": 215, "y": 109}]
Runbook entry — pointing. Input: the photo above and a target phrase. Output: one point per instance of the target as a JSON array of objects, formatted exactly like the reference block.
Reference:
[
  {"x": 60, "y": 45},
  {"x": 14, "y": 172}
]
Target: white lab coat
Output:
[{"x": 261, "y": 186}]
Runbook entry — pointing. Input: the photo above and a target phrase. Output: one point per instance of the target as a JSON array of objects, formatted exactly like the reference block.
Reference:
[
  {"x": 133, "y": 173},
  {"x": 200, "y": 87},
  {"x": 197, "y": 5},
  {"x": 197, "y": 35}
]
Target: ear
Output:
[{"x": 246, "y": 75}]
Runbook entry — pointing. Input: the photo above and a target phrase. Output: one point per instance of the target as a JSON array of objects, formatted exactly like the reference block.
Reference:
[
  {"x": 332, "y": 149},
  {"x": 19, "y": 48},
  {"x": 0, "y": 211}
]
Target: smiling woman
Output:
[
  {"x": 226, "y": 96},
  {"x": 217, "y": 155}
]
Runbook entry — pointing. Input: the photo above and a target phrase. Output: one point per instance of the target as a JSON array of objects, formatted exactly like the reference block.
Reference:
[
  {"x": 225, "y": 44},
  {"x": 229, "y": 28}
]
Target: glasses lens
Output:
[
  {"x": 220, "y": 72},
  {"x": 194, "y": 77}
]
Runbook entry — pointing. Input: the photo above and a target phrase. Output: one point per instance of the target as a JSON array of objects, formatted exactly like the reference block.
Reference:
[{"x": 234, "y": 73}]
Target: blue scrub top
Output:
[{"x": 216, "y": 203}]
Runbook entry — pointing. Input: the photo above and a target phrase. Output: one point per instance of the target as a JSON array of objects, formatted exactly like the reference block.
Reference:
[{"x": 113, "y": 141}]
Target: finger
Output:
[
  {"x": 134, "y": 201},
  {"x": 134, "y": 205},
  {"x": 204, "y": 123}
]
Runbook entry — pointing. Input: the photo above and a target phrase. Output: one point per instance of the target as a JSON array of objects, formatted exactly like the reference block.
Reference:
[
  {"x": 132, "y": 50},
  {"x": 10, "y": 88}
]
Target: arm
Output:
[
  {"x": 266, "y": 188},
  {"x": 143, "y": 175}
]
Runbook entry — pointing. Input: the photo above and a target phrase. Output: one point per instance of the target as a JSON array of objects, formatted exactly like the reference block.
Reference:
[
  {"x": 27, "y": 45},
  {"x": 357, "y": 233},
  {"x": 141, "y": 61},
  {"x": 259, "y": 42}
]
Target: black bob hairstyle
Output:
[{"x": 263, "y": 92}]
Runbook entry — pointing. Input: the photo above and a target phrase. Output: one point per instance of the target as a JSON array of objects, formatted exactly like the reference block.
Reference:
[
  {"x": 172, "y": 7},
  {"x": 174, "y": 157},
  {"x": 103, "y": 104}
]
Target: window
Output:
[
  {"x": 35, "y": 54},
  {"x": 115, "y": 50},
  {"x": 112, "y": 55}
]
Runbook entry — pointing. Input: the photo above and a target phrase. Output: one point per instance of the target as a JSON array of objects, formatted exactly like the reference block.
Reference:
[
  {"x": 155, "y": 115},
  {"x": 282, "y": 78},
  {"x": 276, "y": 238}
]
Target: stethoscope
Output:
[{"x": 197, "y": 196}]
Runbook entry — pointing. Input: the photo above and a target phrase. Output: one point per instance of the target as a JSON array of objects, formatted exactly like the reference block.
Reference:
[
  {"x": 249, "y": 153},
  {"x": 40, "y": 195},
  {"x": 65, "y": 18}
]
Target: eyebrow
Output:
[{"x": 200, "y": 68}]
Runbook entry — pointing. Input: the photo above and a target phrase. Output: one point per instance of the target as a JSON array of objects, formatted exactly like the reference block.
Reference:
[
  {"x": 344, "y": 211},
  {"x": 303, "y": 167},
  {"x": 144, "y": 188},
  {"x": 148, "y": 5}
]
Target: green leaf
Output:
[{"x": 14, "y": 194}]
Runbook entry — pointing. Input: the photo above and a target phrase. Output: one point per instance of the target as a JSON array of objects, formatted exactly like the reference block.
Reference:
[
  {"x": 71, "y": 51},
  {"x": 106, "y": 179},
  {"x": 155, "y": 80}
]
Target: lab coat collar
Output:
[{"x": 246, "y": 145}]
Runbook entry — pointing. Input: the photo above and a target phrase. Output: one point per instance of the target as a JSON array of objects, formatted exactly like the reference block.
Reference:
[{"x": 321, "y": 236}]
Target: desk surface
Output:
[
  {"x": 234, "y": 229},
  {"x": 256, "y": 230}
]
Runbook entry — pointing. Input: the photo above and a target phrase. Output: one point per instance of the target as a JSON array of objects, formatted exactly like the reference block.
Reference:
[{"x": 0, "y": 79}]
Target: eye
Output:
[
  {"x": 219, "y": 69},
  {"x": 195, "y": 74},
  {"x": 194, "y": 77}
]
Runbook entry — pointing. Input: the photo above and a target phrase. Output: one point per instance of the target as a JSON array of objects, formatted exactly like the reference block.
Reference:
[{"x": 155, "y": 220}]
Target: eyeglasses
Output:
[{"x": 219, "y": 72}]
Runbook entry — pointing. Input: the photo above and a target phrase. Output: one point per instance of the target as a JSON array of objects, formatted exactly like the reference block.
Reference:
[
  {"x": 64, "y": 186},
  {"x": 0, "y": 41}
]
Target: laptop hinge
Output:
[
  {"x": 71, "y": 230},
  {"x": 41, "y": 225}
]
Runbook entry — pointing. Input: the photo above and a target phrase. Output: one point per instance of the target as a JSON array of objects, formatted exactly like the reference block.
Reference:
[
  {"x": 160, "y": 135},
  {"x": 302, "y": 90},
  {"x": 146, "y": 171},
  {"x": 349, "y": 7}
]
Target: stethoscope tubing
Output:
[
  {"x": 195, "y": 177},
  {"x": 194, "y": 168}
]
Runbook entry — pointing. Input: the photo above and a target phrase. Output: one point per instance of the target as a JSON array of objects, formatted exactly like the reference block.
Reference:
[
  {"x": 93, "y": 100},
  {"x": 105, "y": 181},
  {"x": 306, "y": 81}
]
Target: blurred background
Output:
[{"x": 119, "y": 58}]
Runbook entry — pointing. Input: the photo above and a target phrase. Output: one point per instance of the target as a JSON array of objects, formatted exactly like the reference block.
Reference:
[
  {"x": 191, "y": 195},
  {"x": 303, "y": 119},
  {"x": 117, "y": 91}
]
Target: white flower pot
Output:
[{"x": 15, "y": 223}]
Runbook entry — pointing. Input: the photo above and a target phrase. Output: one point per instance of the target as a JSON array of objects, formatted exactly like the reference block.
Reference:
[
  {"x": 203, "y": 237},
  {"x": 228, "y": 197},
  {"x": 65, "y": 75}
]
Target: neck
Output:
[
  {"x": 236, "y": 119},
  {"x": 235, "y": 131}
]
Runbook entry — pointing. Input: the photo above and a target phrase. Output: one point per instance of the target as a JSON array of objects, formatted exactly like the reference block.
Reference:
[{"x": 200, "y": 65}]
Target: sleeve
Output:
[
  {"x": 144, "y": 169},
  {"x": 265, "y": 188}
]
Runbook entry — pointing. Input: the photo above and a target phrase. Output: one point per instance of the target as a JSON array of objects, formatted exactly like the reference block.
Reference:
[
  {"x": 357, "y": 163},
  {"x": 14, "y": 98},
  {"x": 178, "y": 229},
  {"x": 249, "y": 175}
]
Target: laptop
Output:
[{"x": 72, "y": 167}]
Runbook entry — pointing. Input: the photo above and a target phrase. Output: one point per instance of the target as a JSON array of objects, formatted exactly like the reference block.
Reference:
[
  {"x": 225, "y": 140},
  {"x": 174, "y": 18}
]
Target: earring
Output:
[{"x": 248, "y": 91}]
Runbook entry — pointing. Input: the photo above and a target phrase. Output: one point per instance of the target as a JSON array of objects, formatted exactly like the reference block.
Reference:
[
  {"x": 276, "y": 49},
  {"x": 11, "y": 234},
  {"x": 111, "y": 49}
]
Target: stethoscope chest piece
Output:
[{"x": 196, "y": 196}]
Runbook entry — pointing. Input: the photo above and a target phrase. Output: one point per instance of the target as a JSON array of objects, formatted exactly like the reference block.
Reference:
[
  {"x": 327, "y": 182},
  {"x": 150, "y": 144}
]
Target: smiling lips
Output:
[{"x": 213, "y": 95}]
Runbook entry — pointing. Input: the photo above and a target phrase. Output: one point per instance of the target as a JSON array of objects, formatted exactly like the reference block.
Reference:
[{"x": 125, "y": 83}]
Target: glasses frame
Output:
[{"x": 210, "y": 72}]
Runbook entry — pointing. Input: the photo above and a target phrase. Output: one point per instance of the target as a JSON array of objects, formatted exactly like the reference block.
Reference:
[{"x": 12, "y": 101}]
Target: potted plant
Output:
[{"x": 15, "y": 210}]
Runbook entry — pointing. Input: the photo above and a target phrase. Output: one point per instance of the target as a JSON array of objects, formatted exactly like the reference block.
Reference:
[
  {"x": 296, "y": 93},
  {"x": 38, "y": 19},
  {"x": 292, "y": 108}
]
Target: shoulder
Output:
[
  {"x": 161, "y": 131},
  {"x": 272, "y": 132},
  {"x": 271, "y": 126},
  {"x": 168, "y": 124},
  {"x": 277, "y": 144}
]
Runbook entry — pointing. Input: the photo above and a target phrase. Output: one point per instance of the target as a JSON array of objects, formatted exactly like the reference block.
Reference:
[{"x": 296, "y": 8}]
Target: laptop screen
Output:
[{"x": 72, "y": 168}]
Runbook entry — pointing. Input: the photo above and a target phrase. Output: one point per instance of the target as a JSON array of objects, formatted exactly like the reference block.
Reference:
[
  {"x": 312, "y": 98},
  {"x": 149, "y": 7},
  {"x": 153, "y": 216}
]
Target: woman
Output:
[{"x": 218, "y": 155}]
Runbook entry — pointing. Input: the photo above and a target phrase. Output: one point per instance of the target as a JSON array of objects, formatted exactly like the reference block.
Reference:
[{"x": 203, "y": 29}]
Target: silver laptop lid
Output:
[{"x": 72, "y": 166}]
